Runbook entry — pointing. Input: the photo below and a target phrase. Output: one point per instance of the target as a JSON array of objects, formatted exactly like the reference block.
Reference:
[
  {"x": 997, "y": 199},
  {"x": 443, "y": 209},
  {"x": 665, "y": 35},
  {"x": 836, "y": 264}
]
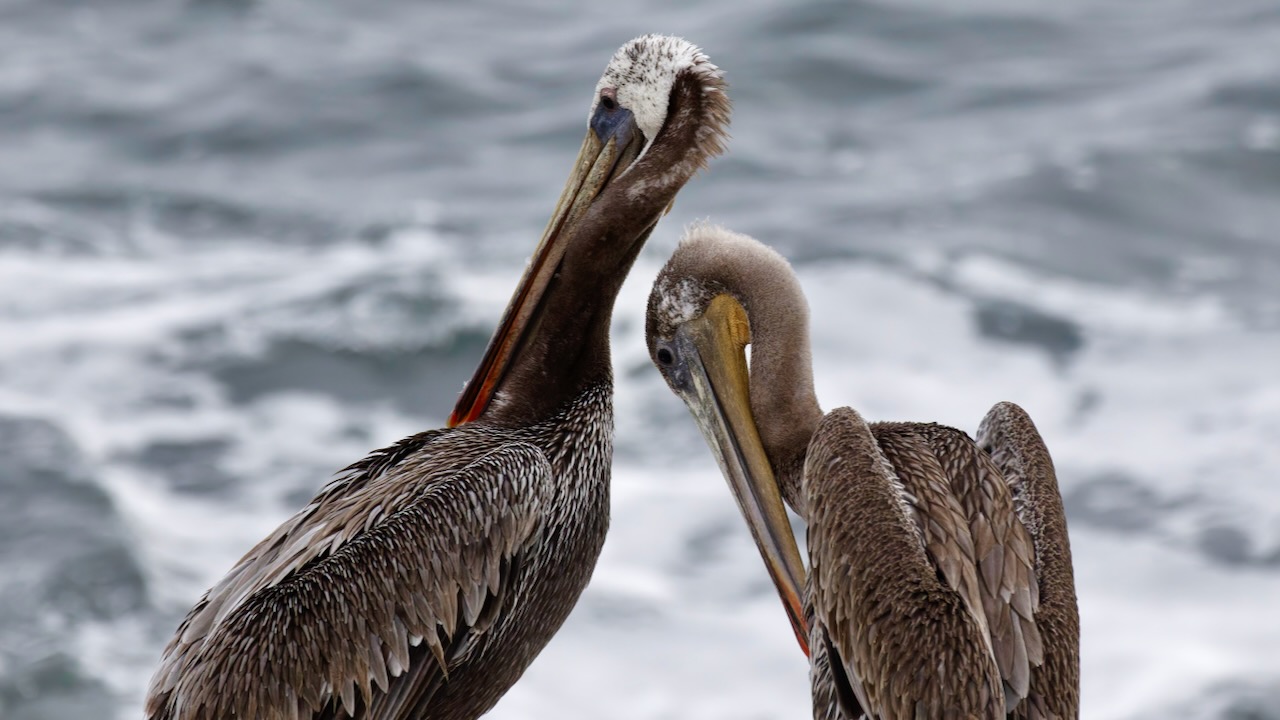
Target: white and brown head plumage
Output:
[
  {"x": 642, "y": 76},
  {"x": 423, "y": 581},
  {"x": 711, "y": 261},
  {"x": 925, "y": 600}
]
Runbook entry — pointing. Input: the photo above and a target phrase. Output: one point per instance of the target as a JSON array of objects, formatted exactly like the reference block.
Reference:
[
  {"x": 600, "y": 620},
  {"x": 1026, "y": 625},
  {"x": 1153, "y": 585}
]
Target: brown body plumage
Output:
[
  {"x": 923, "y": 592},
  {"x": 1009, "y": 436},
  {"x": 424, "y": 580},
  {"x": 892, "y": 578}
]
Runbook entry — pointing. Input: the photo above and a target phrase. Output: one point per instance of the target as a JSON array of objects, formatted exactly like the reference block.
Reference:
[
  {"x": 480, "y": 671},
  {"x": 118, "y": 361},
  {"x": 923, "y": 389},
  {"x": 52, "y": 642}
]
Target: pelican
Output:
[
  {"x": 424, "y": 579},
  {"x": 940, "y": 581}
]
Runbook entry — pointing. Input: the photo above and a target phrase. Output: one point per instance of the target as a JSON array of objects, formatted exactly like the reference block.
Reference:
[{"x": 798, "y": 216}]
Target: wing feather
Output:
[
  {"x": 1014, "y": 447},
  {"x": 936, "y": 510},
  {"x": 893, "y": 583},
  {"x": 364, "y": 618},
  {"x": 1005, "y": 556}
]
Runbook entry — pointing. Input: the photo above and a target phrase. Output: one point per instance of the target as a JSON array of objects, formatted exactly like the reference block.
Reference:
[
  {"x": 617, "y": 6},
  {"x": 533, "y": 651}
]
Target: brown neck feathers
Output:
[{"x": 567, "y": 348}]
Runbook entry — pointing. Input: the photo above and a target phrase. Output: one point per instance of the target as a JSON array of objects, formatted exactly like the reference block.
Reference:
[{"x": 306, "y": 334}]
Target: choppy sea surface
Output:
[{"x": 243, "y": 243}]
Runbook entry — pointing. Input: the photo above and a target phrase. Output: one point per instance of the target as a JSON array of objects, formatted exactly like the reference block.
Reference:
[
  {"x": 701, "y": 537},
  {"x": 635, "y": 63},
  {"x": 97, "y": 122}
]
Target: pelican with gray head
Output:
[
  {"x": 940, "y": 575},
  {"x": 424, "y": 579}
]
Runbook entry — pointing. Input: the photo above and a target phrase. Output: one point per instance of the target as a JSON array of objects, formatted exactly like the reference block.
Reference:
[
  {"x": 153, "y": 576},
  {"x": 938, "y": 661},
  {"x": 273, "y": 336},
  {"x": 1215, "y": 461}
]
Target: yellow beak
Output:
[{"x": 710, "y": 375}]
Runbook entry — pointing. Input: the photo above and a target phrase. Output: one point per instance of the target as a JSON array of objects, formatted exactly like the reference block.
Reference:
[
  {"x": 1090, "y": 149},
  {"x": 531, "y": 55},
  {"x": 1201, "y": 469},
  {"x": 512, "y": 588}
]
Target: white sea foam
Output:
[{"x": 680, "y": 619}]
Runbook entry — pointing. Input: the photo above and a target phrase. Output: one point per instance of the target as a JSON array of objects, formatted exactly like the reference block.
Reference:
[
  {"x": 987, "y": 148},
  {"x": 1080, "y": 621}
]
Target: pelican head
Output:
[
  {"x": 697, "y": 329},
  {"x": 659, "y": 113}
]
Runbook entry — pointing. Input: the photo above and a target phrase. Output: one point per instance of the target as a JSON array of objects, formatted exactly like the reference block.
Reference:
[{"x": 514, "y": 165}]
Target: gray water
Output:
[{"x": 243, "y": 243}]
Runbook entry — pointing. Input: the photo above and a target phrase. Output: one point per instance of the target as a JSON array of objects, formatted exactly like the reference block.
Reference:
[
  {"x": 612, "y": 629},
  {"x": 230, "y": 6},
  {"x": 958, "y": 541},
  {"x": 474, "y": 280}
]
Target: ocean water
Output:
[{"x": 243, "y": 243}]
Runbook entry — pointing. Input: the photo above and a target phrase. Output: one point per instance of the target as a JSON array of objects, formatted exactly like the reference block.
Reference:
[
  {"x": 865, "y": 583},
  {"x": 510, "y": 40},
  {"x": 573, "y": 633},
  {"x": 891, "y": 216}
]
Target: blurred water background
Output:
[{"x": 244, "y": 242}]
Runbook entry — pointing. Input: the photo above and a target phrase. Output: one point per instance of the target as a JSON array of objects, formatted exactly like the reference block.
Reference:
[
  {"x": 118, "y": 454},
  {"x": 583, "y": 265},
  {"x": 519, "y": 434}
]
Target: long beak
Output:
[
  {"x": 600, "y": 161},
  {"x": 716, "y": 386}
]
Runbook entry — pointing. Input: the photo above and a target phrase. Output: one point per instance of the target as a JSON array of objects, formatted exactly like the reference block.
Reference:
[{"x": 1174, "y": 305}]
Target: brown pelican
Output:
[
  {"x": 940, "y": 579},
  {"x": 424, "y": 579}
]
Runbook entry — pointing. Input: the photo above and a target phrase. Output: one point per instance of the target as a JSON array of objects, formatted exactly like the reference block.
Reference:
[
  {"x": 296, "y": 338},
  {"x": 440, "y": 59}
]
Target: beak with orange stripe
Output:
[
  {"x": 705, "y": 362},
  {"x": 613, "y": 143}
]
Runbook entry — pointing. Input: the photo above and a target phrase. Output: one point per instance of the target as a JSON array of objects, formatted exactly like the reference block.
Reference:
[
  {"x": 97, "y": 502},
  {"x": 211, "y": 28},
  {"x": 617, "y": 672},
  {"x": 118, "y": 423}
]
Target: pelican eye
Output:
[
  {"x": 608, "y": 102},
  {"x": 665, "y": 357}
]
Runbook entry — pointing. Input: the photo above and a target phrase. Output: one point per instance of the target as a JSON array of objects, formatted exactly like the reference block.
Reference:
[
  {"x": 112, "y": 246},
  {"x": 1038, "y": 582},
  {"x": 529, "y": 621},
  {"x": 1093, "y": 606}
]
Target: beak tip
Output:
[{"x": 799, "y": 627}]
